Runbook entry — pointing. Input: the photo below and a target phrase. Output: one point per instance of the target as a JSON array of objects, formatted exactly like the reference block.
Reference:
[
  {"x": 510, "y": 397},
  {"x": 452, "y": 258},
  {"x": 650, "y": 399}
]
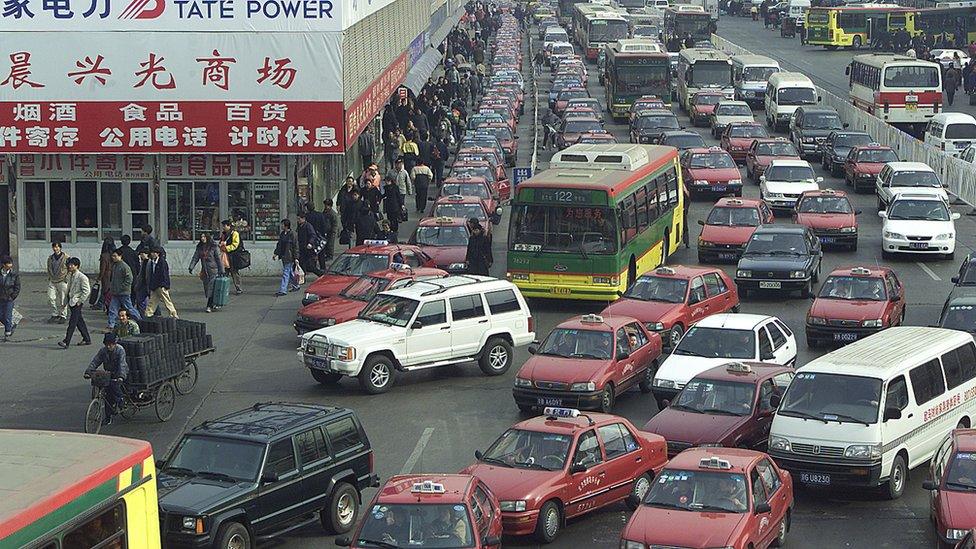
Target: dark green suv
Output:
[{"x": 262, "y": 472}]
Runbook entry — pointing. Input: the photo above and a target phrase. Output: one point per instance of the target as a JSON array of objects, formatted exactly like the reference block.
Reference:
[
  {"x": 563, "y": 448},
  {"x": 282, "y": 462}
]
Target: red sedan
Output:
[
  {"x": 853, "y": 303},
  {"x": 374, "y": 255},
  {"x": 864, "y": 163},
  {"x": 738, "y": 136},
  {"x": 763, "y": 151},
  {"x": 703, "y": 105},
  {"x": 830, "y": 214},
  {"x": 445, "y": 239},
  {"x": 728, "y": 228},
  {"x": 952, "y": 485},
  {"x": 710, "y": 171}
]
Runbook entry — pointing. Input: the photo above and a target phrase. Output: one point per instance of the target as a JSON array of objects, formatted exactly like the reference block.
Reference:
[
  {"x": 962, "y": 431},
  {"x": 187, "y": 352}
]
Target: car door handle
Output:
[
  {"x": 485, "y": 321},
  {"x": 638, "y": 459},
  {"x": 602, "y": 474},
  {"x": 446, "y": 328}
]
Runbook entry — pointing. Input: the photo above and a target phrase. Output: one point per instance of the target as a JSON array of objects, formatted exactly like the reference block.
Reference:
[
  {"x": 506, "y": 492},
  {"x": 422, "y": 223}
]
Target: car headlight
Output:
[
  {"x": 519, "y": 382},
  {"x": 513, "y": 506},
  {"x": 897, "y": 236},
  {"x": 701, "y": 182},
  {"x": 797, "y": 274},
  {"x": 192, "y": 524},
  {"x": 666, "y": 383},
  {"x": 703, "y": 242},
  {"x": 779, "y": 443},
  {"x": 627, "y": 544},
  {"x": 735, "y": 181},
  {"x": 741, "y": 273},
  {"x": 848, "y": 229},
  {"x": 457, "y": 266},
  {"x": 862, "y": 451},
  {"x": 945, "y": 236},
  {"x": 874, "y": 323},
  {"x": 953, "y": 533},
  {"x": 808, "y": 140},
  {"x": 581, "y": 387},
  {"x": 345, "y": 353},
  {"x": 817, "y": 321},
  {"x": 311, "y": 297},
  {"x": 655, "y": 326}
]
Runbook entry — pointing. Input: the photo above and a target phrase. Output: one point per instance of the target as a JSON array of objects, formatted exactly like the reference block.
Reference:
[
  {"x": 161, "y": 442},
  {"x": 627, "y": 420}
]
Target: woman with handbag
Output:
[
  {"x": 231, "y": 245},
  {"x": 207, "y": 254}
]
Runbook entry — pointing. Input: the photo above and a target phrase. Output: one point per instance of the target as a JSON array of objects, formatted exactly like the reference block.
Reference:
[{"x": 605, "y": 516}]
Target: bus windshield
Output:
[
  {"x": 911, "y": 77},
  {"x": 604, "y": 30},
  {"x": 635, "y": 78},
  {"x": 711, "y": 73},
  {"x": 695, "y": 24},
  {"x": 564, "y": 229}
]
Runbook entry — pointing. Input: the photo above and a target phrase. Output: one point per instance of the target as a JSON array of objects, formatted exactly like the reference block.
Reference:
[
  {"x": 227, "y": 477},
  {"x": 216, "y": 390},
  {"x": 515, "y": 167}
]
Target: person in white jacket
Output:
[{"x": 78, "y": 288}]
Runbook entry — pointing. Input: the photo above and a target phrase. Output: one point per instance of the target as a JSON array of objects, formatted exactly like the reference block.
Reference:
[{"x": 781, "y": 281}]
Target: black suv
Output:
[
  {"x": 264, "y": 471},
  {"x": 810, "y": 126},
  {"x": 780, "y": 257},
  {"x": 650, "y": 123},
  {"x": 834, "y": 151}
]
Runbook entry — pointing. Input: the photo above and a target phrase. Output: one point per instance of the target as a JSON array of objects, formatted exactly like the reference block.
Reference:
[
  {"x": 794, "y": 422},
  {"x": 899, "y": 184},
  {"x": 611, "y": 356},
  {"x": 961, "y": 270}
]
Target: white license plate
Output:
[
  {"x": 827, "y": 240},
  {"x": 541, "y": 401},
  {"x": 770, "y": 284},
  {"x": 918, "y": 245},
  {"x": 719, "y": 188},
  {"x": 911, "y": 99},
  {"x": 845, "y": 337},
  {"x": 725, "y": 255},
  {"x": 317, "y": 363},
  {"x": 815, "y": 478}
]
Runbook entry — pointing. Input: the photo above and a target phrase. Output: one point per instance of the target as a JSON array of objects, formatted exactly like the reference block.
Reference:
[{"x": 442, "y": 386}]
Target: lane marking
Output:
[
  {"x": 417, "y": 451},
  {"x": 928, "y": 271}
]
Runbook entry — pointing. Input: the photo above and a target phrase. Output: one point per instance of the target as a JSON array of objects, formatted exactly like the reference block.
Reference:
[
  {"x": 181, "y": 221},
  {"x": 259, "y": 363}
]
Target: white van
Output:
[
  {"x": 553, "y": 35},
  {"x": 866, "y": 413},
  {"x": 786, "y": 91},
  {"x": 951, "y": 132},
  {"x": 750, "y": 74},
  {"x": 797, "y": 9}
]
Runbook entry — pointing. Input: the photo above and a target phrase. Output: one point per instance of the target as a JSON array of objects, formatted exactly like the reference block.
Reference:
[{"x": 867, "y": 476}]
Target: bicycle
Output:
[{"x": 162, "y": 398}]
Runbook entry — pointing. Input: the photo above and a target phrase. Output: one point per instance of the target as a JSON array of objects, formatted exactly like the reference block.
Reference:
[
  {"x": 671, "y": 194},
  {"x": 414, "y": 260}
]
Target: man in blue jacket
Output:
[
  {"x": 158, "y": 283},
  {"x": 111, "y": 357}
]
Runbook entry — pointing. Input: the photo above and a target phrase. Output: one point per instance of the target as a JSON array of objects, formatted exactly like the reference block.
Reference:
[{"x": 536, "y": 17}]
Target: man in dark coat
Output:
[
  {"x": 367, "y": 146},
  {"x": 308, "y": 239},
  {"x": 365, "y": 223},
  {"x": 392, "y": 203},
  {"x": 287, "y": 250},
  {"x": 478, "y": 256}
]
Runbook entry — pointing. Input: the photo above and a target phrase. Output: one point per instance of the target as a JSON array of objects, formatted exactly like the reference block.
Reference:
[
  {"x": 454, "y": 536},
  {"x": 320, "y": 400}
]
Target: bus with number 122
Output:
[{"x": 598, "y": 218}]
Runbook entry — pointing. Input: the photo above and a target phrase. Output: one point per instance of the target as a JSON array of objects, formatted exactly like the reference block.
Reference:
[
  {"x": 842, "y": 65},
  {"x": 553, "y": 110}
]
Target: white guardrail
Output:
[
  {"x": 535, "y": 105},
  {"x": 959, "y": 175}
]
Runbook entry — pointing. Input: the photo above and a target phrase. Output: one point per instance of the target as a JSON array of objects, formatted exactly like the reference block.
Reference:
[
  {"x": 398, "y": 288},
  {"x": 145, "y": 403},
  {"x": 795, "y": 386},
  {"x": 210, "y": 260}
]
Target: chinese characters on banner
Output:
[
  {"x": 85, "y": 166},
  {"x": 365, "y": 107},
  {"x": 250, "y": 166}
]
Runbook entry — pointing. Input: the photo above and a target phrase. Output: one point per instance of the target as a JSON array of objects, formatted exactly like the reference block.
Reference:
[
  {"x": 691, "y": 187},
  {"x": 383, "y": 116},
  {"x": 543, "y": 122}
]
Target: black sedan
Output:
[{"x": 780, "y": 257}]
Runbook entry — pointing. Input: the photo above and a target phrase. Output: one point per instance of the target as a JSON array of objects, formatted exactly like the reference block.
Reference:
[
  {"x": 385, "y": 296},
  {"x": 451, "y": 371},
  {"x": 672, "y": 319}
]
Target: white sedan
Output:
[
  {"x": 945, "y": 57},
  {"x": 918, "y": 224}
]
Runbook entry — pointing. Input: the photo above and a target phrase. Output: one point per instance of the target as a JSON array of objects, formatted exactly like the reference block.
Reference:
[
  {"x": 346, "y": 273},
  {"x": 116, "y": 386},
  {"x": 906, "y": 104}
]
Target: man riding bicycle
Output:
[{"x": 111, "y": 357}]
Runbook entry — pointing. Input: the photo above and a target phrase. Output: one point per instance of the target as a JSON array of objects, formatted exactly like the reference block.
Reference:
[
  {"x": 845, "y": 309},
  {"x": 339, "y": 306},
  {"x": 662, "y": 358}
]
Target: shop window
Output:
[
  {"x": 73, "y": 211},
  {"x": 140, "y": 207},
  {"x": 35, "y": 210},
  {"x": 111, "y": 202},
  {"x": 197, "y": 207},
  {"x": 239, "y": 206},
  {"x": 179, "y": 211},
  {"x": 60, "y": 200},
  {"x": 86, "y": 210},
  {"x": 206, "y": 208}
]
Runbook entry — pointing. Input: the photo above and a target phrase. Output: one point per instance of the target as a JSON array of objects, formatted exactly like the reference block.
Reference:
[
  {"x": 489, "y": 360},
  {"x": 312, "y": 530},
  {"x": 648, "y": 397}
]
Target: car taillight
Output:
[{"x": 531, "y": 324}]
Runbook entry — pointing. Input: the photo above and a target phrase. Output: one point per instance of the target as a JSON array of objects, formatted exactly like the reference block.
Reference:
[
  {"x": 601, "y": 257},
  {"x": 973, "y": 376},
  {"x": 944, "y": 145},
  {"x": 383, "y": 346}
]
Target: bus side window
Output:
[{"x": 105, "y": 531}]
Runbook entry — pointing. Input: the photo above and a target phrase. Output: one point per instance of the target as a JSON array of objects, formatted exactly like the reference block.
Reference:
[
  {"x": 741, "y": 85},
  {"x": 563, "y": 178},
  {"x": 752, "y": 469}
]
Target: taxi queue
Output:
[{"x": 703, "y": 455}]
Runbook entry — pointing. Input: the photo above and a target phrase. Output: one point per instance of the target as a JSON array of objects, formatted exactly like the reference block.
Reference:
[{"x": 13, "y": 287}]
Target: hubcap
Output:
[
  {"x": 345, "y": 509},
  {"x": 380, "y": 375},
  {"x": 896, "y": 477},
  {"x": 236, "y": 542},
  {"x": 606, "y": 399},
  {"x": 675, "y": 336},
  {"x": 782, "y": 529},
  {"x": 497, "y": 357},
  {"x": 552, "y": 522},
  {"x": 641, "y": 488}
]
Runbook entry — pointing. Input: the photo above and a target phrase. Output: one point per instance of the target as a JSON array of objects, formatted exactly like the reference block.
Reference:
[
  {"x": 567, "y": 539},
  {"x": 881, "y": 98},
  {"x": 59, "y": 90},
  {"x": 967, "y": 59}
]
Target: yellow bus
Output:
[
  {"x": 939, "y": 22},
  {"x": 842, "y": 27},
  {"x": 75, "y": 491}
]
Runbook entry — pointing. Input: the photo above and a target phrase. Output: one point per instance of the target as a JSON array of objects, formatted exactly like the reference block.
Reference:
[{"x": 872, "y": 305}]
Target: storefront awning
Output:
[
  {"x": 441, "y": 33},
  {"x": 422, "y": 70}
]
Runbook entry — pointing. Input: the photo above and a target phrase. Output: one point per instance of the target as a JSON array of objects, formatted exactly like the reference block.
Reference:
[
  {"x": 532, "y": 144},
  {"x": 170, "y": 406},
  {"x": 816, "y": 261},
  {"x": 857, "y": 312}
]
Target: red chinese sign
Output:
[
  {"x": 279, "y": 127},
  {"x": 365, "y": 107}
]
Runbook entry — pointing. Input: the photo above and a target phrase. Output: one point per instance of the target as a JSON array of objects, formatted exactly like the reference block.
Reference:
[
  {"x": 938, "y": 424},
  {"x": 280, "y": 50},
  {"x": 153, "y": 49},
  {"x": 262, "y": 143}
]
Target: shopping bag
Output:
[
  {"x": 298, "y": 274},
  {"x": 16, "y": 317},
  {"x": 225, "y": 259}
]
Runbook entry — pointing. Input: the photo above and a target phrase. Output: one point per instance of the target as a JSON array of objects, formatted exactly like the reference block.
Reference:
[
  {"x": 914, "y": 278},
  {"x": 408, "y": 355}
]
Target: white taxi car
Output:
[
  {"x": 913, "y": 177},
  {"x": 785, "y": 180},
  {"x": 918, "y": 224}
]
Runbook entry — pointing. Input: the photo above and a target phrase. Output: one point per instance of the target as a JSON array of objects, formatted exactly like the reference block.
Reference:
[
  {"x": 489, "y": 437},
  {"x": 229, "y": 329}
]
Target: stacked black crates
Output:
[{"x": 159, "y": 352}]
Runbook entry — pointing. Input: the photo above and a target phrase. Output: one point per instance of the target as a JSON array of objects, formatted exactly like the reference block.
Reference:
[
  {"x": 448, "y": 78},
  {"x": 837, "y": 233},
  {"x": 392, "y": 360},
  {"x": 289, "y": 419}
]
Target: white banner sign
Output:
[
  {"x": 114, "y": 66},
  {"x": 185, "y": 15}
]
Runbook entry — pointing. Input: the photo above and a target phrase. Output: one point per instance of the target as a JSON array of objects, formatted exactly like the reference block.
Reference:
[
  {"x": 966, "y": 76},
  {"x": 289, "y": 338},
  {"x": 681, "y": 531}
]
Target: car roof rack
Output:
[{"x": 441, "y": 288}]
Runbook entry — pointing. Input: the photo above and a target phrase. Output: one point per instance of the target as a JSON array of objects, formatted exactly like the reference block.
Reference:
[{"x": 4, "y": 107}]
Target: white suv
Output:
[{"x": 424, "y": 325}]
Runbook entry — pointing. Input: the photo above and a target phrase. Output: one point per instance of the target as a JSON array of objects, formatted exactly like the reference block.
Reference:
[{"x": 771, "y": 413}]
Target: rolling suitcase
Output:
[{"x": 221, "y": 291}]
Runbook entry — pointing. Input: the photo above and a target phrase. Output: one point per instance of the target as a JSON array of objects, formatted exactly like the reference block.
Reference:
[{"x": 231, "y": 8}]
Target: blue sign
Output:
[{"x": 521, "y": 174}]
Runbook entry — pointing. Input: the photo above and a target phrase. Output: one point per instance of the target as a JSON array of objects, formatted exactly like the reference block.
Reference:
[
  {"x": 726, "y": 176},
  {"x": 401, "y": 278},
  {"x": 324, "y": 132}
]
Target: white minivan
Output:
[
  {"x": 951, "y": 132},
  {"x": 865, "y": 414},
  {"x": 786, "y": 91}
]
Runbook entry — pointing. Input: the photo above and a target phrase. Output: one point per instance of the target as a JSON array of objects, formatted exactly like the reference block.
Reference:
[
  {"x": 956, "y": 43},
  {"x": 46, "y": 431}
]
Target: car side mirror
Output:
[
  {"x": 268, "y": 478},
  {"x": 955, "y": 280},
  {"x": 767, "y": 356},
  {"x": 929, "y": 484},
  {"x": 343, "y": 541},
  {"x": 701, "y": 222},
  {"x": 577, "y": 468},
  {"x": 883, "y": 214},
  {"x": 533, "y": 349},
  {"x": 956, "y": 215},
  {"x": 820, "y": 180},
  {"x": 478, "y": 455},
  {"x": 892, "y": 413},
  {"x": 160, "y": 464},
  {"x": 762, "y": 178},
  {"x": 762, "y": 508},
  {"x": 857, "y": 212},
  {"x": 819, "y": 99},
  {"x": 847, "y": 69},
  {"x": 895, "y": 297},
  {"x": 417, "y": 325}
]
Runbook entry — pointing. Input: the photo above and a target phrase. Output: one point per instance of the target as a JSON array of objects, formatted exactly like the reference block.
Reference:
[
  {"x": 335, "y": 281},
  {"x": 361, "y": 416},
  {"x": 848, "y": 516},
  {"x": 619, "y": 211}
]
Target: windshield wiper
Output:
[
  {"x": 665, "y": 505},
  {"x": 719, "y": 411},
  {"x": 532, "y": 465},
  {"x": 377, "y": 543},
  {"x": 587, "y": 355},
  {"x": 804, "y": 415},
  {"x": 686, "y": 352},
  {"x": 216, "y": 476},
  {"x": 689, "y": 408},
  {"x": 180, "y": 471},
  {"x": 847, "y": 417},
  {"x": 718, "y": 508},
  {"x": 495, "y": 461}
]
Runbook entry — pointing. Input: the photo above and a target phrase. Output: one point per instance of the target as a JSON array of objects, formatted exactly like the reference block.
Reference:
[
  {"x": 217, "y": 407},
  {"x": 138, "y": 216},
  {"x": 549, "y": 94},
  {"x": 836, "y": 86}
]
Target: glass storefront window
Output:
[
  {"x": 140, "y": 204},
  {"x": 111, "y": 209},
  {"x": 239, "y": 207},
  {"x": 206, "y": 208},
  {"x": 199, "y": 206},
  {"x": 78, "y": 211},
  {"x": 60, "y": 198},
  {"x": 35, "y": 210},
  {"x": 86, "y": 210},
  {"x": 179, "y": 211}
]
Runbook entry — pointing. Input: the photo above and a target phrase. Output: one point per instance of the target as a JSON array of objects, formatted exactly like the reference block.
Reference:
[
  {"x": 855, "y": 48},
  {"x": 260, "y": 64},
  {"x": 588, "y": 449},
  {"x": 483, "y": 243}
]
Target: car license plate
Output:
[
  {"x": 911, "y": 99},
  {"x": 542, "y": 401},
  {"x": 317, "y": 363},
  {"x": 918, "y": 245},
  {"x": 770, "y": 284},
  {"x": 559, "y": 291},
  {"x": 815, "y": 478},
  {"x": 719, "y": 188},
  {"x": 827, "y": 240},
  {"x": 726, "y": 255},
  {"x": 845, "y": 337}
]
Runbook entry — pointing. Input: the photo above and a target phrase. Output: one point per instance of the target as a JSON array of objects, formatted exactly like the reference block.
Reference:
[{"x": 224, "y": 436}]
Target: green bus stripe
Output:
[
  {"x": 136, "y": 472},
  {"x": 62, "y": 515}
]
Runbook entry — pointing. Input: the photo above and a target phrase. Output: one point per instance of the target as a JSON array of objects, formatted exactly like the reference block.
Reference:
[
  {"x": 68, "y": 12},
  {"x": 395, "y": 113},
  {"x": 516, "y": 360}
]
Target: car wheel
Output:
[
  {"x": 233, "y": 535},
  {"x": 647, "y": 383},
  {"x": 807, "y": 290},
  {"x": 496, "y": 357},
  {"x": 549, "y": 523},
  {"x": 377, "y": 375},
  {"x": 856, "y": 42},
  {"x": 606, "y": 399},
  {"x": 674, "y": 335},
  {"x": 326, "y": 378},
  {"x": 642, "y": 485},
  {"x": 899, "y": 477},
  {"x": 340, "y": 515},
  {"x": 784, "y": 528}
]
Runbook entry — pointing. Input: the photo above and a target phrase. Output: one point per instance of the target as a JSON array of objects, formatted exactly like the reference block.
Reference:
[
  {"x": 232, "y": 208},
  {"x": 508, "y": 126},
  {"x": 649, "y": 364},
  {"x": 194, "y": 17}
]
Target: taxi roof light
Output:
[
  {"x": 714, "y": 463},
  {"x": 399, "y": 267},
  {"x": 454, "y": 197},
  {"x": 860, "y": 271},
  {"x": 554, "y": 412},
  {"x": 428, "y": 487},
  {"x": 738, "y": 367},
  {"x": 591, "y": 319},
  {"x": 376, "y": 242},
  {"x": 665, "y": 270},
  {"x": 444, "y": 219},
  {"x": 828, "y": 191},
  {"x": 734, "y": 201}
]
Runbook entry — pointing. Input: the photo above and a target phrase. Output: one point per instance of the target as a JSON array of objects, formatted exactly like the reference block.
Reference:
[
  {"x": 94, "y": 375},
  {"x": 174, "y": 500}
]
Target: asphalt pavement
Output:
[{"x": 434, "y": 420}]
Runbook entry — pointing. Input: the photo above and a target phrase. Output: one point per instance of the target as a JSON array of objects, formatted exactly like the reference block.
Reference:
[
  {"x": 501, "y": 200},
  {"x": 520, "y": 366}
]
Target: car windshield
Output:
[
  {"x": 960, "y": 131},
  {"x": 524, "y": 449},
  {"x": 501, "y": 132},
  {"x": 658, "y": 288},
  {"x": 684, "y": 141},
  {"x": 389, "y": 309},
  {"x": 442, "y": 235},
  {"x": 645, "y": 30},
  {"x": 961, "y": 475},
  {"x": 358, "y": 264},
  {"x": 717, "y": 397},
  {"x": 591, "y": 344},
  {"x": 758, "y": 74},
  {"x": 853, "y": 140},
  {"x": 646, "y": 105},
  {"x": 485, "y": 172},
  {"x": 733, "y": 217},
  {"x": 465, "y": 189},
  {"x": 580, "y": 126},
  {"x": 796, "y": 96},
  {"x": 733, "y": 110},
  {"x": 707, "y": 99},
  {"x": 700, "y": 491},
  {"x": 922, "y": 178},
  {"x": 476, "y": 157},
  {"x": 918, "y": 210},
  {"x": 416, "y": 525},
  {"x": 776, "y": 243},
  {"x": 822, "y": 122},
  {"x": 877, "y": 156},
  {"x": 711, "y": 73},
  {"x": 577, "y": 230},
  {"x": 960, "y": 317},
  {"x": 467, "y": 211},
  {"x": 566, "y": 95},
  {"x": 748, "y": 131},
  {"x": 666, "y": 122},
  {"x": 712, "y": 161},
  {"x": 717, "y": 343},
  {"x": 855, "y": 288},
  {"x": 365, "y": 288},
  {"x": 776, "y": 149},
  {"x": 832, "y": 397},
  {"x": 198, "y": 455},
  {"x": 825, "y": 205},
  {"x": 911, "y": 77},
  {"x": 789, "y": 173}
]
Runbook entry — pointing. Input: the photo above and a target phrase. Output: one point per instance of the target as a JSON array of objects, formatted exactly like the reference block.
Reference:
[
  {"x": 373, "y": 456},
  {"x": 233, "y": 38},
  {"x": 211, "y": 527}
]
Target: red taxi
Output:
[
  {"x": 730, "y": 405},
  {"x": 728, "y": 228},
  {"x": 445, "y": 239},
  {"x": 853, "y": 303},
  {"x": 864, "y": 163},
  {"x": 466, "y": 207},
  {"x": 831, "y": 216},
  {"x": 373, "y": 255},
  {"x": 669, "y": 299},
  {"x": 571, "y": 129},
  {"x": 952, "y": 485},
  {"x": 474, "y": 168},
  {"x": 714, "y": 497},
  {"x": 738, "y": 136},
  {"x": 763, "y": 151},
  {"x": 471, "y": 186},
  {"x": 354, "y": 297},
  {"x": 702, "y": 106},
  {"x": 710, "y": 170},
  {"x": 587, "y": 362},
  {"x": 644, "y": 103},
  {"x": 558, "y": 466},
  {"x": 430, "y": 511},
  {"x": 596, "y": 137},
  {"x": 501, "y": 110},
  {"x": 506, "y": 137}
]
